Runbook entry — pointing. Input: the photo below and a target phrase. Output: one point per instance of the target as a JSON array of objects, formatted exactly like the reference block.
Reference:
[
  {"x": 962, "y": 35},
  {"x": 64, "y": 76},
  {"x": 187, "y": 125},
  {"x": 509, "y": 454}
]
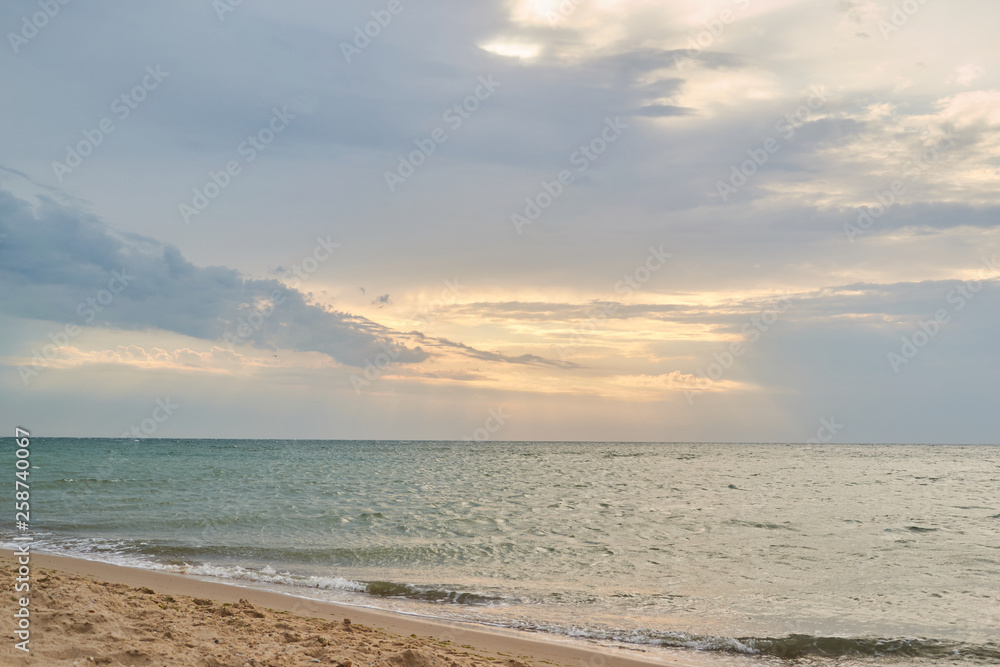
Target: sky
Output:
[{"x": 629, "y": 220}]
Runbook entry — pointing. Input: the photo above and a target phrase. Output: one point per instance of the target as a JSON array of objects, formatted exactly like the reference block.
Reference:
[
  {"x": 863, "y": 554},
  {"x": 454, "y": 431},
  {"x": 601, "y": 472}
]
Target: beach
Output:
[
  {"x": 509, "y": 333},
  {"x": 680, "y": 553},
  {"x": 86, "y": 612}
]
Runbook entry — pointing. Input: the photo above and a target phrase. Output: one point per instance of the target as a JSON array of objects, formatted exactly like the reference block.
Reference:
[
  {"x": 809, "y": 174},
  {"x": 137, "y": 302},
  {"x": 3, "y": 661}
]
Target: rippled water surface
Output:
[{"x": 790, "y": 550}]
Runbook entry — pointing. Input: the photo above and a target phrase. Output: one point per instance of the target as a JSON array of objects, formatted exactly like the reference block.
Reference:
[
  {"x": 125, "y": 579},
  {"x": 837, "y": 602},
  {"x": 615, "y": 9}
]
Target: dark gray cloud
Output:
[
  {"x": 55, "y": 263},
  {"x": 523, "y": 359},
  {"x": 55, "y": 258}
]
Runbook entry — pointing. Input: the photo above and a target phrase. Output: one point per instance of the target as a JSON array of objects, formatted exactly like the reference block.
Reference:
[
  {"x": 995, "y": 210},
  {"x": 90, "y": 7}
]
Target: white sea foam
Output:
[{"x": 266, "y": 574}]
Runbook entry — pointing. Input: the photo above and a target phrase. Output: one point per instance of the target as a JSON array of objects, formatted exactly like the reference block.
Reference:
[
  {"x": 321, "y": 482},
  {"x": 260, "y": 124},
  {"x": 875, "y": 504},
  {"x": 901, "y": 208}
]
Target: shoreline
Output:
[{"x": 431, "y": 634}]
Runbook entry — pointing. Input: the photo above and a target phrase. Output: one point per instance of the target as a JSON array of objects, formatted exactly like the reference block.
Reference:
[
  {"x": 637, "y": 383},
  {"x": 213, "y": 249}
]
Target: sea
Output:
[{"x": 839, "y": 554}]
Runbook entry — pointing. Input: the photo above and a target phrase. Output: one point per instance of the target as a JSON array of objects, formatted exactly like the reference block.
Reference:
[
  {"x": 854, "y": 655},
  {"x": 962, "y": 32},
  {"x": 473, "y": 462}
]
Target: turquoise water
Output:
[{"x": 869, "y": 551}]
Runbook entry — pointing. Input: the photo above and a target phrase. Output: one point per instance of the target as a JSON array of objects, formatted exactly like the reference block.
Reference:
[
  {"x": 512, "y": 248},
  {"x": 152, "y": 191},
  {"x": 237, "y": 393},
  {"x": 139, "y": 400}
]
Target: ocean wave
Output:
[
  {"x": 795, "y": 646},
  {"x": 141, "y": 555},
  {"x": 792, "y": 647},
  {"x": 266, "y": 575},
  {"x": 380, "y": 589},
  {"x": 802, "y": 646}
]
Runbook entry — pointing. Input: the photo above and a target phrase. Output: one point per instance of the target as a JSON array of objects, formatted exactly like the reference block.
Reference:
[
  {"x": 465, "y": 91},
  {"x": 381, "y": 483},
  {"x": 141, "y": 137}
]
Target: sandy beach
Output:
[{"x": 85, "y": 612}]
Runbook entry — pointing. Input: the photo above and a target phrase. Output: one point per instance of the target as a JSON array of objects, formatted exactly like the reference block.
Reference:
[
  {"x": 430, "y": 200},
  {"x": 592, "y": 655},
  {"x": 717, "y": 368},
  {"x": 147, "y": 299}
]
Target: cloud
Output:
[
  {"x": 215, "y": 360},
  {"x": 661, "y": 110},
  {"x": 942, "y": 152},
  {"x": 61, "y": 264},
  {"x": 693, "y": 113},
  {"x": 966, "y": 74},
  {"x": 68, "y": 266},
  {"x": 469, "y": 351},
  {"x": 655, "y": 385}
]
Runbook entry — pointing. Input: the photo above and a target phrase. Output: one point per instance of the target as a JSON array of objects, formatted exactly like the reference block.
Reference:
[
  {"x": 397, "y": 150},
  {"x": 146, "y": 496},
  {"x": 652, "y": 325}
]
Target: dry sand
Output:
[{"x": 84, "y": 613}]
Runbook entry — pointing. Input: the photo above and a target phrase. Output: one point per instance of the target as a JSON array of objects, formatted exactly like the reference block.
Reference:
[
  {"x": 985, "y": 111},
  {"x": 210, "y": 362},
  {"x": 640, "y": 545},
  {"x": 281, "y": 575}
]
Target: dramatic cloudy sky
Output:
[{"x": 225, "y": 209}]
